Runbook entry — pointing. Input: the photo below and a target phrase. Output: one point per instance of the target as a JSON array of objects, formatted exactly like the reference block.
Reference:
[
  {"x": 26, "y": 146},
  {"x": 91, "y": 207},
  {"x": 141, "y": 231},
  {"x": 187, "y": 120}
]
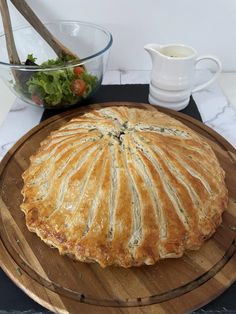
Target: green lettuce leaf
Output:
[{"x": 54, "y": 86}]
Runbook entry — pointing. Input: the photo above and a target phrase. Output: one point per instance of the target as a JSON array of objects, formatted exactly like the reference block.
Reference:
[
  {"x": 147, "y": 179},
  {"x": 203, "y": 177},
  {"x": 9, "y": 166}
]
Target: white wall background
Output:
[{"x": 208, "y": 25}]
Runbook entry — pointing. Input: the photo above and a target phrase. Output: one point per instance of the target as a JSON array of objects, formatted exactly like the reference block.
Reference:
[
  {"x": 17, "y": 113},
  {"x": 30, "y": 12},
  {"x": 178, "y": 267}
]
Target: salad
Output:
[{"x": 58, "y": 87}]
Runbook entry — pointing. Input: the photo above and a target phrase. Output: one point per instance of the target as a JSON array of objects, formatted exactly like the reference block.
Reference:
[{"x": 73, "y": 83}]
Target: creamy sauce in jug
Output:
[{"x": 176, "y": 51}]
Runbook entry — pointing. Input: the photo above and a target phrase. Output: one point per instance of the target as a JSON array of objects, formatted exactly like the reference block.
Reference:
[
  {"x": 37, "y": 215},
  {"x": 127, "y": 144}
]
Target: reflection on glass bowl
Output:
[{"x": 48, "y": 81}]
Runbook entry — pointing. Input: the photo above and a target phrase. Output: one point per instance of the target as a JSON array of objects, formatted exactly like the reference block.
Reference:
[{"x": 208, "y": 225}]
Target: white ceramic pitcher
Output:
[{"x": 172, "y": 76}]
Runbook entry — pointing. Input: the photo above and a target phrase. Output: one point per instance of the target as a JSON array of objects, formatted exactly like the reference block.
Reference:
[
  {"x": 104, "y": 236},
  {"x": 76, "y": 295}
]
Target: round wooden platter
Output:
[{"x": 65, "y": 286}]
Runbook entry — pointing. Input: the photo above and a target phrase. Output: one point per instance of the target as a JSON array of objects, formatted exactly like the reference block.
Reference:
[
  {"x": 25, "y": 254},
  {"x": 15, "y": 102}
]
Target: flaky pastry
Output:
[{"x": 124, "y": 186}]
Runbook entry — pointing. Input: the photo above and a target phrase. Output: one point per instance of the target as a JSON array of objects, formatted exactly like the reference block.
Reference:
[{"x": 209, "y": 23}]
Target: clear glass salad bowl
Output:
[{"x": 56, "y": 82}]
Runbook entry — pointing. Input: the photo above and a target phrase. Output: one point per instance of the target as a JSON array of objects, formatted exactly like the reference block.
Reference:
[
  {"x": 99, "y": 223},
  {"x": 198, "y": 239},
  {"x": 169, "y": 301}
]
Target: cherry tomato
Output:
[
  {"x": 78, "y": 71},
  {"x": 36, "y": 99},
  {"x": 78, "y": 87}
]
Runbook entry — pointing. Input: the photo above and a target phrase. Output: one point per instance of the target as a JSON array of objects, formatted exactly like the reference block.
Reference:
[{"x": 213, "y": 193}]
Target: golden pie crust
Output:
[{"x": 124, "y": 186}]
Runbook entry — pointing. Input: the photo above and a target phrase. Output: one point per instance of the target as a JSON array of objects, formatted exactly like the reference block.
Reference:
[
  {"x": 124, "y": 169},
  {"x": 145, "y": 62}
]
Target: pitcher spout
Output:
[{"x": 152, "y": 49}]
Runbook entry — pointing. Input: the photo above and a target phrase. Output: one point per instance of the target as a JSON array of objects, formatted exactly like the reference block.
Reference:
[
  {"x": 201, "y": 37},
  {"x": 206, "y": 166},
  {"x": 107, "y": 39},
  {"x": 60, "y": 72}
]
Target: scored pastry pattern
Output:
[{"x": 124, "y": 186}]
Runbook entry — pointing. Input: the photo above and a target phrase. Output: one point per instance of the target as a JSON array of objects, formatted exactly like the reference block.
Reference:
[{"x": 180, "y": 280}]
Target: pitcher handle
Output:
[{"x": 209, "y": 82}]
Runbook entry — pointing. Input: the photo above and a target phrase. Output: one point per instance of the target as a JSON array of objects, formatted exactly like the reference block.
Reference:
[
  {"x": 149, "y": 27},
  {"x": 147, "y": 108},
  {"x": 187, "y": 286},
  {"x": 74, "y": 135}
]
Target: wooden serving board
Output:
[{"x": 65, "y": 286}]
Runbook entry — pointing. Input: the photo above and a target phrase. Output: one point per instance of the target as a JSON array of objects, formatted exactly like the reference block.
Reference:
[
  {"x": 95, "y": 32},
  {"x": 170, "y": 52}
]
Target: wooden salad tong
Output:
[
  {"x": 32, "y": 18},
  {"x": 11, "y": 47}
]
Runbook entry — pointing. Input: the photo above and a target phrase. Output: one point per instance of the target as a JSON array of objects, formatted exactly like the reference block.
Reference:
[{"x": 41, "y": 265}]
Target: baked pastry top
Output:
[{"x": 124, "y": 186}]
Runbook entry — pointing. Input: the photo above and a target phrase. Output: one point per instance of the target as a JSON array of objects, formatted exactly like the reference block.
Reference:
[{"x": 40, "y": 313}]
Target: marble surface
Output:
[{"x": 216, "y": 111}]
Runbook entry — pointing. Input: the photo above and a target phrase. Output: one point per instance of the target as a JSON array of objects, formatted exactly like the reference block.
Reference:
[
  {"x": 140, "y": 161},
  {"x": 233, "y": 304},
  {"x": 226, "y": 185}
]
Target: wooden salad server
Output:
[
  {"x": 32, "y": 18},
  {"x": 11, "y": 47}
]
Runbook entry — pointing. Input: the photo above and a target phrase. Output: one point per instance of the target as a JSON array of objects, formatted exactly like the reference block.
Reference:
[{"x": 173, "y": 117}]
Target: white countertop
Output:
[
  {"x": 227, "y": 83},
  {"x": 216, "y": 104}
]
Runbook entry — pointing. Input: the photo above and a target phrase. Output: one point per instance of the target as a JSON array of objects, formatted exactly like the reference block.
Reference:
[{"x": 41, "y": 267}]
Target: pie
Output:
[{"x": 124, "y": 186}]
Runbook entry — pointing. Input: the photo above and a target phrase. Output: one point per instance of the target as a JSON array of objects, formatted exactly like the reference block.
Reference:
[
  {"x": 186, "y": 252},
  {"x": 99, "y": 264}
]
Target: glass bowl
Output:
[{"x": 60, "y": 83}]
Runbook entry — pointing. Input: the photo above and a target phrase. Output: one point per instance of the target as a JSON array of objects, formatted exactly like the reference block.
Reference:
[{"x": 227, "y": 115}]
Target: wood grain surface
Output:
[{"x": 65, "y": 286}]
